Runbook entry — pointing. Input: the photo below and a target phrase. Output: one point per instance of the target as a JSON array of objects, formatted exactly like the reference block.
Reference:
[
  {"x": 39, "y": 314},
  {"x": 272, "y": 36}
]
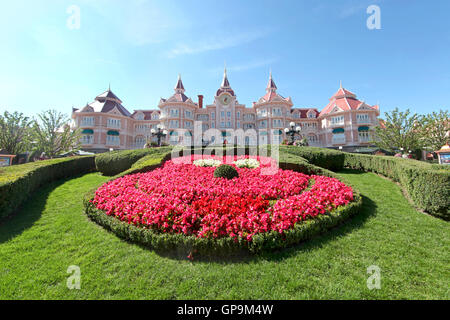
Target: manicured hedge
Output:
[
  {"x": 115, "y": 162},
  {"x": 147, "y": 163},
  {"x": 324, "y": 158},
  {"x": 183, "y": 244},
  {"x": 427, "y": 185},
  {"x": 17, "y": 182}
]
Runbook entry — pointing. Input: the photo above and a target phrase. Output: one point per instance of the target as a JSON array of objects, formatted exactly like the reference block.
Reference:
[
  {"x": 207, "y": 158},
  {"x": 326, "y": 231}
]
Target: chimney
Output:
[{"x": 200, "y": 101}]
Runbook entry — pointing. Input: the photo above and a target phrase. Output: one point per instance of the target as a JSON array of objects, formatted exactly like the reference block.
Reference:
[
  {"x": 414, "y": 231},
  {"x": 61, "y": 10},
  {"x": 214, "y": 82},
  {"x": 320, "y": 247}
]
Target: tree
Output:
[
  {"x": 53, "y": 134},
  {"x": 400, "y": 130},
  {"x": 435, "y": 130},
  {"x": 14, "y": 132}
]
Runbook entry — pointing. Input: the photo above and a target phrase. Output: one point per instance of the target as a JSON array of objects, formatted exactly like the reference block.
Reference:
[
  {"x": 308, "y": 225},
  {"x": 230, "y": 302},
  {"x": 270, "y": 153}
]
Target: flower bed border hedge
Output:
[
  {"x": 115, "y": 162},
  {"x": 428, "y": 185},
  {"x": 227, "y": 246},
  {"x": 17, "y": 182}
]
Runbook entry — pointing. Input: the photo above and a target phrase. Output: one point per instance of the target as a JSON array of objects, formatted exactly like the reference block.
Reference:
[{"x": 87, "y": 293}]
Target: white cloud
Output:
[
  {"x": 141, "y": 22},
  {"x": 349, "y": 11},
  {"x": 218, "y": 42},
  {"x": 247, "y": 66}
]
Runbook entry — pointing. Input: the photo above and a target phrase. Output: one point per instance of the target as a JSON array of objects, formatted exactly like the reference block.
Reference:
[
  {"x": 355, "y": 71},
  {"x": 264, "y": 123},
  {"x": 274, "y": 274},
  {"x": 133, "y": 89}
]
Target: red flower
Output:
[{"x": 183, "y": 198}]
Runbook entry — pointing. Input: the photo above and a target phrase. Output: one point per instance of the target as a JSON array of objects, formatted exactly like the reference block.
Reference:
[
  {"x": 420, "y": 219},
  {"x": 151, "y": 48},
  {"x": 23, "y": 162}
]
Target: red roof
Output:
[
  {"x": 344, "y": 100},
  {"x": 304, "y": 112},
  {"x": 147, "y": 114},
  {"x": 271, "y": 92},
  {"x": 179, "y": 95},
  {"x": 343, "y": 92}
]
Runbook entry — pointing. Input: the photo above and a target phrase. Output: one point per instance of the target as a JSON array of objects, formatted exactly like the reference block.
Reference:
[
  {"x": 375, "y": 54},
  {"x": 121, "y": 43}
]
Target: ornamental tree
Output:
[
  {"x": 14, "y": 132},
  {"x": 400, "y": 130},
  {"x": 53, "y": 135},
  {"x": 435, "y": 130}
]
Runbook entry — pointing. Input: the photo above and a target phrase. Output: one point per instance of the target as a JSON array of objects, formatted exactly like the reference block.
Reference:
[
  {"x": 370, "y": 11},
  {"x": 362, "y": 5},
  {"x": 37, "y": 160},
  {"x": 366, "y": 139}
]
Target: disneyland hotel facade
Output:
[{"x": 345, "y": 121}]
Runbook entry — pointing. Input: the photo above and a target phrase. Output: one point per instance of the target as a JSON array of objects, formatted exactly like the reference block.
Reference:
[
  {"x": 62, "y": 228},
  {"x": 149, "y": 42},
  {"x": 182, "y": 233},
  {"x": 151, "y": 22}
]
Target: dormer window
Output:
[
  {"x": 311, "y": 115},
  {"x": 140, "y": 116}
]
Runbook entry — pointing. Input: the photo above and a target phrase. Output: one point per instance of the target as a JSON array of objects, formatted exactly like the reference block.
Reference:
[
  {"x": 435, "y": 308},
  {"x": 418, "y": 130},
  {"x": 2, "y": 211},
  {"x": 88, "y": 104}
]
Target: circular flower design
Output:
[{"x": 184, "y": 198}]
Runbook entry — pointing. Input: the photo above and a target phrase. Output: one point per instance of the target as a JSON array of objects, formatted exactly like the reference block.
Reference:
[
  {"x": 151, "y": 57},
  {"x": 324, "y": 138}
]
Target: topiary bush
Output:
[
  {"x": 112, "y": 163},
  {"x": 226, "y": 171},
  {"x": 17, "y": 182}
]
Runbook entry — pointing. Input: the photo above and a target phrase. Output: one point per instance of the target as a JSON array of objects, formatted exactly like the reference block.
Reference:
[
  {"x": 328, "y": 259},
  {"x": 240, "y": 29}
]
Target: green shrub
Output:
[
  {"x": 17, "y": 182},
  {"x": 321, "y": 157},
  {"x": 147, "y": 163},
  {"x": 226, "y": 171},
  {"x": 112, "y": 163},
  {"x": 427, "y": 185}
]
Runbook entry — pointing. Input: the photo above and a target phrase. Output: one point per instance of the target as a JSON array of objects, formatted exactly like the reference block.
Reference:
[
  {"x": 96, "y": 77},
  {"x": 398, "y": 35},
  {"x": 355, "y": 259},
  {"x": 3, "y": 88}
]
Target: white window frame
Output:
[{"x": 87, "y": 139}]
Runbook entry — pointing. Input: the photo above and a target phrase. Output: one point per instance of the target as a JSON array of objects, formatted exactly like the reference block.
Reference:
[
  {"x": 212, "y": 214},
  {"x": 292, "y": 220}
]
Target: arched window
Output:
[
  {"x": 363, "y": 134},
  {"x": 312, "y": 139},
  {"x": 140, "y": 141}
]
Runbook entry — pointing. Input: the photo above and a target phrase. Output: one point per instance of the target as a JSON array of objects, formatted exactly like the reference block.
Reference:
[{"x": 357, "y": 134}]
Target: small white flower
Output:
[
  {"x": 207, "y": 163},
  {"x": 247, "y": 163}
]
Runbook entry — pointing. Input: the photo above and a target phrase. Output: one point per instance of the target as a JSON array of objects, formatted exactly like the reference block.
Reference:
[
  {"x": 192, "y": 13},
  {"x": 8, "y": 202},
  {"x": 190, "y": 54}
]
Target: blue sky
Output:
[{"x": 141, "y": 46}]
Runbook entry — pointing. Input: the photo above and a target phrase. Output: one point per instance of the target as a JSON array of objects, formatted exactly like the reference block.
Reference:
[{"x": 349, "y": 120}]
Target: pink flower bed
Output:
[{"x": 183, "y": 198}]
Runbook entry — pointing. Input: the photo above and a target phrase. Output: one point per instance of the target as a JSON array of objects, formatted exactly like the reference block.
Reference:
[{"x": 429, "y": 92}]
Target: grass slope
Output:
[{"x": 51, "y": 233}]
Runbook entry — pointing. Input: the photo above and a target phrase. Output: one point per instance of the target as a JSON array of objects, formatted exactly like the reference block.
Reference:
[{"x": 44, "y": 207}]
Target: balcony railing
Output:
[
  {"x": 113, "y": 125},
  {"x": 87, "y": 140},
  {"x": 87, "y": 123},
  {"x": 336, "y": 124},
  {"x": 112, "y": 142},
  {"x": 364, "y": 121},
  {"x": 364, "y": 139},
  {"x": 338, "y": 140}
]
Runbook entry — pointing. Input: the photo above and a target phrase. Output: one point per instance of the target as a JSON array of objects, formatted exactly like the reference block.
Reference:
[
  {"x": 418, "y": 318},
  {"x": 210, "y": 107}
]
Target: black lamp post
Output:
[
  {"x": 292, "y": 131},
  {"x": 159, "y": 133}
]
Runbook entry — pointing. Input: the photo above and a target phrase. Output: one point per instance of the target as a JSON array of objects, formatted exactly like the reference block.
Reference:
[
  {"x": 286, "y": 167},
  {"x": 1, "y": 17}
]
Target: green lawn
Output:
[{"x": 51, "y": 233}]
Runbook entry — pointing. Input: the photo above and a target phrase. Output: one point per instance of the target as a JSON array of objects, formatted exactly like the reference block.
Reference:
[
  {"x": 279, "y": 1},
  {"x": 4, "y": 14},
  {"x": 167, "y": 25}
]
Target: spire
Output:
[
  {"x": 179, "y": 88},
  {"x": 225, "y": 83},
  {"x": 225, "y": 86},
  {"x": 340, "y": 84},
  {"x": 271, "y": 86}
]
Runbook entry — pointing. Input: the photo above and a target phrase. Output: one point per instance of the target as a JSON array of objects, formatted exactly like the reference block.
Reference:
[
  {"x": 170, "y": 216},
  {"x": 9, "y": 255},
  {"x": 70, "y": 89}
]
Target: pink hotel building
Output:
[{"x": 106, "y": 124}]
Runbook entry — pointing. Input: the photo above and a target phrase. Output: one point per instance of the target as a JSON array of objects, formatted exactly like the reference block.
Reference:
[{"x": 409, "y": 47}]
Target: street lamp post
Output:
[
  {"x": 159, "y": 133},
  {"x": 292, "y": 131}
]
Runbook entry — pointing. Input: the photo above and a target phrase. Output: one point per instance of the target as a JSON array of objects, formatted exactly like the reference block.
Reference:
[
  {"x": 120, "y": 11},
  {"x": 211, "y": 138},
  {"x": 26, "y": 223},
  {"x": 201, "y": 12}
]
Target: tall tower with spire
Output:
[
  {"x": 179, "y": 88},
  {"x": 225, "y": 86},
  {"x": 271, "y": 87}
]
